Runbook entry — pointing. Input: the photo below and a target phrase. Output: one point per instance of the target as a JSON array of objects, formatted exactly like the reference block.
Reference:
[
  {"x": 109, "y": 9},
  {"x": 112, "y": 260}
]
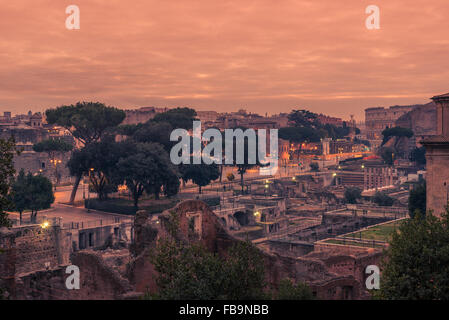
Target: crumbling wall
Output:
[
  {"x": 97, "y": 282},
  {"x": 141, "y": 273}
]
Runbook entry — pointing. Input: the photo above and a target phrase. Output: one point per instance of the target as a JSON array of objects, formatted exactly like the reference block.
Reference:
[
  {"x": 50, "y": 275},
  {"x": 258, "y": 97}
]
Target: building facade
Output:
[
  {"x": 379, "y": 119},
  {"x": 437, "y": 156}
]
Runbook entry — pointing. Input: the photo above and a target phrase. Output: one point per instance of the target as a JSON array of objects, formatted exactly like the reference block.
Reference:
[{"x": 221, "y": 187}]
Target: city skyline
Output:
[{"x": 261, "y": 56}]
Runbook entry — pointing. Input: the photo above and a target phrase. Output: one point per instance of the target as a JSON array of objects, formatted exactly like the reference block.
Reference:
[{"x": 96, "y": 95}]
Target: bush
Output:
[
  {"x": 382, "y": 199},
  {"x": 111, "y": 205},
  {"x": 122, "y": 206},
  {"x": 212, "y": 202},
  {"x": 290, "y": 291},
  {"x": 352, "y": 194},
  {"x": 314, "y": 166},
  {"x": 417, "y": 199}
]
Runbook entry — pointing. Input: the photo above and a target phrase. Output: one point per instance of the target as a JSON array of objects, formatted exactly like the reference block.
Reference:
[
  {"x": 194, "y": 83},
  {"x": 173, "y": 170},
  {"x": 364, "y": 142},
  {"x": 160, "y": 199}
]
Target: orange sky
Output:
[{"x": 265, "y": 56}]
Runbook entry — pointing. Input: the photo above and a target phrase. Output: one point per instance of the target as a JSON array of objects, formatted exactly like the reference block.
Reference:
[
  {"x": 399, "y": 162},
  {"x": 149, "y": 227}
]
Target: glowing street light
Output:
[
  {"x": 45, "y": 225},
  {"x": 334, "y": 174}
]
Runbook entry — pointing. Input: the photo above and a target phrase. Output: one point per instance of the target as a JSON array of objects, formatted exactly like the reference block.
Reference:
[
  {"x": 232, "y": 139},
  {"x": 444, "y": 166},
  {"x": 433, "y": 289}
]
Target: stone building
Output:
[
  {"x": 377, "y": 175},
  {"x": 379, "y": 118},
  {"x": 437, "y": 156},
  {"x": 142, "y": 115}
]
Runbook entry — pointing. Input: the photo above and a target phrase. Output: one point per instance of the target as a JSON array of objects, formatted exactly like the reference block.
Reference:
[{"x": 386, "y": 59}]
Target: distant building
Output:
[
  {"x": 141, "y": 115},
  {"x": 378, "y": 119},
  {"x": 323, "y": 119},
  {"x": 377, "y": 175}
]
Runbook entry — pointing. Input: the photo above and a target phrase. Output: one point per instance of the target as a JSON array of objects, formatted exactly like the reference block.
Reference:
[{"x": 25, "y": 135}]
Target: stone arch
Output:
[{"x": 241, "y": 217}]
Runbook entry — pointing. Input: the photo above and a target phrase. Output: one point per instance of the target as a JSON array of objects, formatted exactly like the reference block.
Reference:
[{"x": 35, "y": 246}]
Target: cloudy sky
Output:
[{"x": 265, "y": 56}]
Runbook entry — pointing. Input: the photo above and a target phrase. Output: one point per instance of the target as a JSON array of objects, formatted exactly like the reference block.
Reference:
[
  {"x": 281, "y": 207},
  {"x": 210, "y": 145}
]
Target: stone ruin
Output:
[{"x": 127, "y": 273}]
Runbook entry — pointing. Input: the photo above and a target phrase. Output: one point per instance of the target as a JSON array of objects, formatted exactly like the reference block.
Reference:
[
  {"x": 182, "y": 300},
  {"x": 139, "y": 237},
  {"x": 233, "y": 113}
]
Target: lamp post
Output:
[{"x": 56, "y": 162}]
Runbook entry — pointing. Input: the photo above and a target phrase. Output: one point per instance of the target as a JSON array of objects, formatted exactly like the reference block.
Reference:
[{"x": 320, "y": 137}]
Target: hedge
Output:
[{"x": 124, "y": 207}]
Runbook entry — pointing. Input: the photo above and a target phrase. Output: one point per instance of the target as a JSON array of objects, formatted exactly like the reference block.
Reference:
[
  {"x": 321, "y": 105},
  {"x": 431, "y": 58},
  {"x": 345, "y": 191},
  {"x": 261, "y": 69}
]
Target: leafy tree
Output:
[
  {"x": 382, "y": 199},
  {"x": 158, "y": 132},
  {"x": 300, "y": 135},
  {"x": 177, "y": 118},
  {"x": 387, "y": 155},
  {"x": 244, "y": 272},
  {"x": 417, "y": 199},
  {"x": 191, "y": 272},
  {"x": 396, "y": 132},
  {"x": 147, "y": 168},
  {"x": 33, "y": 193},
  {"x": 7, "y": 171},
  {"x": 200, "y": 174},
  {"x": 99, "y": 160},
  {"x": 289, "y": 291},
  {"x": 314, "y": 166},
  {"x": 55, "y": 148},
  {"x": 88, "y": 122},
  {"x": 41, "y": 194},
  {"x": 416, "y": 263},
  {"x": 20, "y": 193},
  {"x": 304, "y": 118},
  {"x": 352, "y": 194},
  {"x": 244, "y": 165},
  {"x": 418, "y": 155}
]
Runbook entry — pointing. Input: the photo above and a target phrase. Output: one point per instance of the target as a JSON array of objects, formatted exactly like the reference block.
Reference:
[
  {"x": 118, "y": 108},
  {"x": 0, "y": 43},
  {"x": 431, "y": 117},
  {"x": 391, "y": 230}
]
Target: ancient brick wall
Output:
[
  {"x": 97, "y": 282},
  {"x": 36, "y": 248}
]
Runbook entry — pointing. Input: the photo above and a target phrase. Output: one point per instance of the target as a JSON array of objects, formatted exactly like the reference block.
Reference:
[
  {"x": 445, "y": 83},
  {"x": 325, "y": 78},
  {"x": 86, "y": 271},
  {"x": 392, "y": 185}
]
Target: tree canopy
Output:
[
  {"x": 99, "y": 160},
  {"x": 147, "y": 168},
  {"x": 418, "y": 155},
  {"x": 178, "y": 118},
  {"x": 352, "y": 194},
  {"x": 7, "y": 171},
  {"x": 304, "y": 118},
  {"x": 383, "y": 199},
  {"x": 33, "y": 193},
  {"x": 396, "y": 132},
  {"x": 52, "y": 146},
  {"x": 87, "y": 121},
  {"x": 200, "y": 174},
  {"x": 416, "y": 263},
  {"x": 417, "y": 199},
  {"x": 387, "y": 155},
  {"x": 191, "y": 272}
]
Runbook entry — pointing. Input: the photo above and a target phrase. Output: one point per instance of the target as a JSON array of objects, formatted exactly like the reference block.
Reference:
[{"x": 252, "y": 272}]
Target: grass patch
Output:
[
  {"x": 357, "y": 244},
  {"x": 382, "y": 232}
]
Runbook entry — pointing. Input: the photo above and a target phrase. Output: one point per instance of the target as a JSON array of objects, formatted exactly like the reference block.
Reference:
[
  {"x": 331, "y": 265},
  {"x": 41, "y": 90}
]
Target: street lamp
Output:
[
  {"x": 56, "y": 162},
  {"x": 45, "y": 225}
]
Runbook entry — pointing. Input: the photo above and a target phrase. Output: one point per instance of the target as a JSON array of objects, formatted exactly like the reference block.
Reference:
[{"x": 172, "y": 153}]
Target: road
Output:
[
  {"x": 62, "y": 194},
  {"x": 68, "y": 214}
]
